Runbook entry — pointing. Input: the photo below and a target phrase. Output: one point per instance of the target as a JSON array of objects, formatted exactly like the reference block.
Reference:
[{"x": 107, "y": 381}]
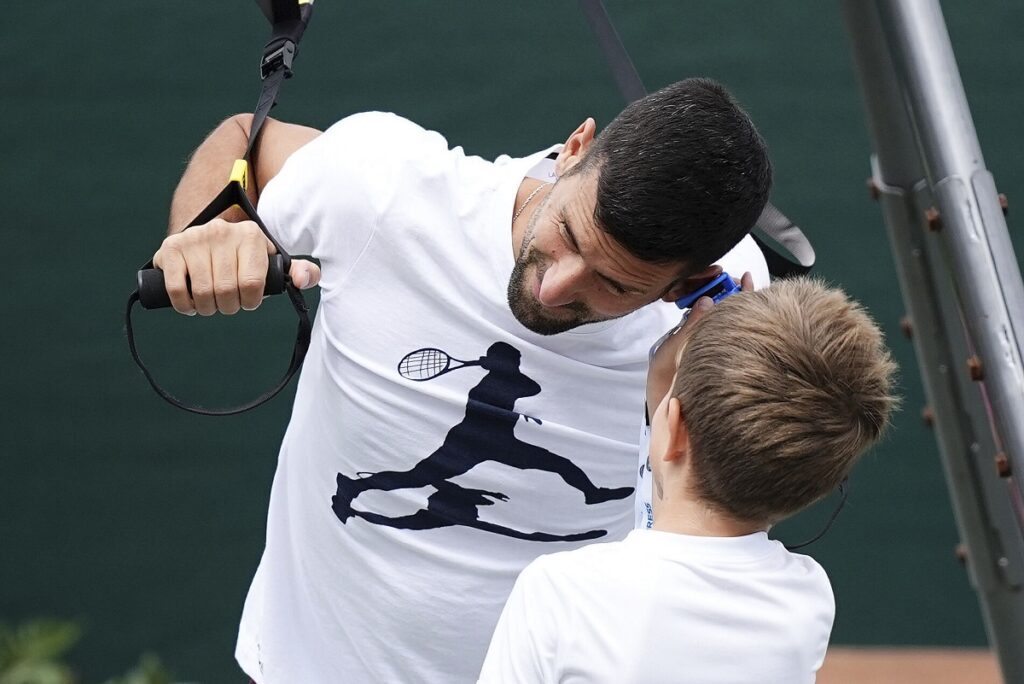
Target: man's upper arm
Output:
[
  {"x": 278, "y": 141},
  {"x": 329, "y": 193}
]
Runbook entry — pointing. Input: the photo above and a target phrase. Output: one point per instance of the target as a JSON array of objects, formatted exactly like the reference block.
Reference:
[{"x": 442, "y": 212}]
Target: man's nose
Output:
[{"x": 563, "y": 281}]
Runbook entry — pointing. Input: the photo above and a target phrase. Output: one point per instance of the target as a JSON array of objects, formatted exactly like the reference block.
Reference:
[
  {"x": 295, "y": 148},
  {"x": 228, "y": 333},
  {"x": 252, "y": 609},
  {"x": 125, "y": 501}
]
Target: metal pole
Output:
[
  {"x": 926, "y": 152},
  {"x": 978, "y": 244}
]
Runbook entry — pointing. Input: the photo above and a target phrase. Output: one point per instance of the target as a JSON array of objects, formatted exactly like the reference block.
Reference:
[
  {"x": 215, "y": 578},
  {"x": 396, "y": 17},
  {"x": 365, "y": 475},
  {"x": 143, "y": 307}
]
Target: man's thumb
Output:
[{"x": 304, "y": 274}]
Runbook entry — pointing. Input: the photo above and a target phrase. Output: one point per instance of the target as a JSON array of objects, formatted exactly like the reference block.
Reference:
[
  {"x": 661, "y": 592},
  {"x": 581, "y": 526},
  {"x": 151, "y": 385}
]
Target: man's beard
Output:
[{"x": 532, "y": 314}]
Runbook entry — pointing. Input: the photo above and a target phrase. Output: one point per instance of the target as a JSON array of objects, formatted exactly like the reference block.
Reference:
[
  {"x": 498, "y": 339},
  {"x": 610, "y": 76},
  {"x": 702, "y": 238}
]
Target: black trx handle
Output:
[
  {"x": 772, "y": 222},
  {"x": 289, "y": 19},
  {"x": 153, "y": 292}
]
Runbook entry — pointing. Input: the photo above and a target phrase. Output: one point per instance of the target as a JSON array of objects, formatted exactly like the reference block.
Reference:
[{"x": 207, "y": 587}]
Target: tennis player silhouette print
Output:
[{"x": 486, "y": 433}]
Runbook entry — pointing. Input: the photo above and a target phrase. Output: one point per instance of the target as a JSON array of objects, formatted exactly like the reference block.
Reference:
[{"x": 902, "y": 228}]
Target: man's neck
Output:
[{"x": 520, "y": 223}]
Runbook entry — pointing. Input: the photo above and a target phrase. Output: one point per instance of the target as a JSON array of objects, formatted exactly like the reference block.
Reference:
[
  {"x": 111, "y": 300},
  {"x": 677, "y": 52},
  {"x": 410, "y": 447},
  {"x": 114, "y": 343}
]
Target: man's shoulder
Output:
[
  {"x": 382, "y": 134},
  {"x": 377, "y": 123},
  {"x": 389, "y": 147}
]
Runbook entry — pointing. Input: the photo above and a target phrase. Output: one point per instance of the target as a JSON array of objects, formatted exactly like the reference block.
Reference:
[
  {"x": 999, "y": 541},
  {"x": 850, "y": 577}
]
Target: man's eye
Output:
[
  {"x": 614, "y": 288},
  {"x": 563, "y": 230}
]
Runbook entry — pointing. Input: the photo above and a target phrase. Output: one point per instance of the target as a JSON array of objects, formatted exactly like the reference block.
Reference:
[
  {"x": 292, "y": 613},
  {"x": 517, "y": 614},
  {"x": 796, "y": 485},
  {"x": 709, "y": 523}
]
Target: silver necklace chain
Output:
[{"x": 527, "y": 201}]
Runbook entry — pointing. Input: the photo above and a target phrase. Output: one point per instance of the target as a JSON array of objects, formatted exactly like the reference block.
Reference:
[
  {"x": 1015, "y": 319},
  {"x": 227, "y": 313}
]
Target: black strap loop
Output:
[
  {"x": 231, "y": 195},
  {"x": 289, "y": 19},
  {"x": 298, "y": 355}
]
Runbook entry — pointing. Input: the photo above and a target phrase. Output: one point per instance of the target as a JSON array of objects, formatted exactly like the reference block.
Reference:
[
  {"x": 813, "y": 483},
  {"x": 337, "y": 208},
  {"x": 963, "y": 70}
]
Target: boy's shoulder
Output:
[
  {"x": 641, "y": 546},
  {"x": 600, "y": 561},
  {"x": 644, "y": 552},
  {"x": 581, "y": 557}
]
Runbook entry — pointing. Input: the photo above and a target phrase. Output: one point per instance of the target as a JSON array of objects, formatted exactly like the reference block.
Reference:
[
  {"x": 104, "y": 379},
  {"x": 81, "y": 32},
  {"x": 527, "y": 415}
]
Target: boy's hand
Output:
[{"x": 662, "y": 371}]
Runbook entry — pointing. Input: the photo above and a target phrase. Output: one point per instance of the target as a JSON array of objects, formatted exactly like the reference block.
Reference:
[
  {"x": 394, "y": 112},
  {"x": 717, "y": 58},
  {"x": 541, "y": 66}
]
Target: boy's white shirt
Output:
[{"x": 665, "y": 608}]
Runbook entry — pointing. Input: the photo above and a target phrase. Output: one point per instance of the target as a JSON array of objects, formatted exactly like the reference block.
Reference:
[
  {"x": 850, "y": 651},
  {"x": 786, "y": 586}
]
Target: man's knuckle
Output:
[
  {"x": 225, "y": 287},
  {"x": 192, "y": 237},
  {"x": 201, "y": 290},
  {"x": 176, "y": 289},
  {"x": 172, "y": 243},
  {"x": 219, "y": 230},
  {"x": 251, "y": 283},
  {"x": 253, "y": 236},
  {"x": 249, "y": 229}
]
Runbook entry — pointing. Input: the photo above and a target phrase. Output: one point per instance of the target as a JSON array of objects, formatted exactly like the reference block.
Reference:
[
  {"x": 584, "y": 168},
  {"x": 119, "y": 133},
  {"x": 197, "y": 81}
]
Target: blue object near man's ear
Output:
[{"x": 718, "y": 289}]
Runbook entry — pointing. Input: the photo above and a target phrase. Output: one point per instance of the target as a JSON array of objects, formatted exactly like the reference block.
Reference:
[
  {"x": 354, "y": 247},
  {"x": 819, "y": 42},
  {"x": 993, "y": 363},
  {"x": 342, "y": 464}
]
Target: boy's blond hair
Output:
[{"x": 782, "y": 390}]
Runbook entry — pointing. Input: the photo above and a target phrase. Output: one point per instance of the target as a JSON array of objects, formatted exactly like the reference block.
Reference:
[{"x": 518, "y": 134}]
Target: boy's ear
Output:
[
  {"x": 692, "y": 283},
  {"x": 678, "y": 438},
  {"x": 575, "y": 146}
]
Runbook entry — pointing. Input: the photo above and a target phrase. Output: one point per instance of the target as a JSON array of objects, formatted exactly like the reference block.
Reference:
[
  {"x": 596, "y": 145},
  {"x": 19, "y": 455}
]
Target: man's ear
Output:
[
  {"x": 677, "y": 444},
  {"x": 692, "y": 283},
  {"x": 576, "y": 144}
]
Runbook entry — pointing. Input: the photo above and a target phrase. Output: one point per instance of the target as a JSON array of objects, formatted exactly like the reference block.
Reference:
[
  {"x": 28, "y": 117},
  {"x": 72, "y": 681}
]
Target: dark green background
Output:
[{"x": 146, "y": 523}]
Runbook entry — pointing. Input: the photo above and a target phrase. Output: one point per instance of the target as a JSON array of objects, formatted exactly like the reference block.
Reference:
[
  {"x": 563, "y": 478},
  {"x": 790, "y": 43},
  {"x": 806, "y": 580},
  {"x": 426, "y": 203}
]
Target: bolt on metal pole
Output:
[{"x": 961, "y": 285}]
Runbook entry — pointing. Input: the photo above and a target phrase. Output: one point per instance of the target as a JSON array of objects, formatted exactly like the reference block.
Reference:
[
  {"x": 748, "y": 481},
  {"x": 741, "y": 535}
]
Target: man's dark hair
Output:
[{"x": 683, "y": 174}]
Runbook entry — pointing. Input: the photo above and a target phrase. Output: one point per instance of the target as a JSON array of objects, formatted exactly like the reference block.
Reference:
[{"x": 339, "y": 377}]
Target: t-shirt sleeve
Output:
[
  {"x": 524, "y": 644},
  {"x": 328, "y": 198}
]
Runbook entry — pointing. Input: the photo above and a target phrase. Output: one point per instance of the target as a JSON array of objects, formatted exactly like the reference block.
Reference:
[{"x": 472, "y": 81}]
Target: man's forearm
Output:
[
  {"x": 207, "y": 173},
  {"x": 222, "y": 265}
]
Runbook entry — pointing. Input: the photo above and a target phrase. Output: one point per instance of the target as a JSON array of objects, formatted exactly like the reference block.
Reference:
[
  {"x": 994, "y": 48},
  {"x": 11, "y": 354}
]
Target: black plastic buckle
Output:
[{"x": 276, "y": 58}]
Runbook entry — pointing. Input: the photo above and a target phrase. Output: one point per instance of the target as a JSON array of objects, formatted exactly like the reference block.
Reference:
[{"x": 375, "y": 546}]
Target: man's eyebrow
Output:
[{"x": 611, "y": 281}]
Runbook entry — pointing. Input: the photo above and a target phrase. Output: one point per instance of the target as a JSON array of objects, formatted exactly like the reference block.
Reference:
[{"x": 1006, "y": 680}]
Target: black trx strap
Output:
[
  {"x": 772, "y": 223},
  {"x": 289, "y": 19}
]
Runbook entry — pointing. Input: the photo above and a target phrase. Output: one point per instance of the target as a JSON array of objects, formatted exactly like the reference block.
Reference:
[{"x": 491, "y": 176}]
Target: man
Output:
[{"x": 409, "y": 493}]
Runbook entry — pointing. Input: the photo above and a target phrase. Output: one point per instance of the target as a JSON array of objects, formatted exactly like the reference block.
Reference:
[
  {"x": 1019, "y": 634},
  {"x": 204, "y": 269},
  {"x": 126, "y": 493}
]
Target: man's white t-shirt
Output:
[
  {"x": 403, "y": 508},
  {"x": 665, "y": 608}
]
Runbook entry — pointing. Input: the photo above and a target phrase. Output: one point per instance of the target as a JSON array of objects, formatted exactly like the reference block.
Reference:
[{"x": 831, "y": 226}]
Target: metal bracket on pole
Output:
[{"x": 961, "y": 286}]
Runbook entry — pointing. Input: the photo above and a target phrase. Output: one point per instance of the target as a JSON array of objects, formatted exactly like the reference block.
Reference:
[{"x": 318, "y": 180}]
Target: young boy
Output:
[{"x": 777, "y": 394}]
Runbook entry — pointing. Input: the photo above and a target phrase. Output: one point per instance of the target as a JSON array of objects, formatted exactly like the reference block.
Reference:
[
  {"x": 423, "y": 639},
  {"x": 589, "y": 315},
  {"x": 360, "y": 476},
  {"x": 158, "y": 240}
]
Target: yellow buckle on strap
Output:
[{"x": 240, "y": 173}]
